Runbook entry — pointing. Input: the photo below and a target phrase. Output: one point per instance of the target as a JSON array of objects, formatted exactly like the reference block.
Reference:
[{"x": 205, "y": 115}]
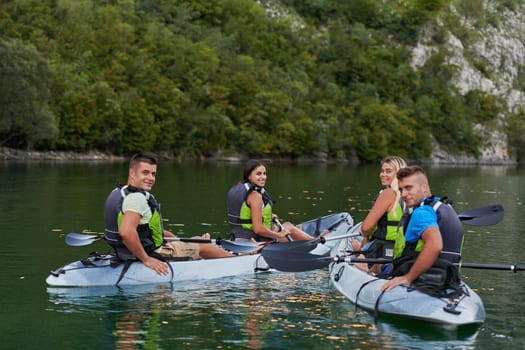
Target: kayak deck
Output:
[
  {"x": 103, "y": 270},
  {"x": 100, "y": 270},
  {"x": 363, "y": 290},
  {"x": 336, "y": 225}
]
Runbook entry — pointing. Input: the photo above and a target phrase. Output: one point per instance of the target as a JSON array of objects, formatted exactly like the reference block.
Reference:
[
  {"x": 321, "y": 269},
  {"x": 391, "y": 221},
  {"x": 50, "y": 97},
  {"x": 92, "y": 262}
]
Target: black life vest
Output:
[
  {"x": 450, "y": 227},
  {"x": 150, "y": 234},
  {"x": 239, "y": 213}
]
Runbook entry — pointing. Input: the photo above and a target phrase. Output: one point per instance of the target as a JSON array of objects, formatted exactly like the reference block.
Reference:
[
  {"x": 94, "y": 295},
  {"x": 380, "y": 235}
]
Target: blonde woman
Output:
[{"x": 379, "y": 229}]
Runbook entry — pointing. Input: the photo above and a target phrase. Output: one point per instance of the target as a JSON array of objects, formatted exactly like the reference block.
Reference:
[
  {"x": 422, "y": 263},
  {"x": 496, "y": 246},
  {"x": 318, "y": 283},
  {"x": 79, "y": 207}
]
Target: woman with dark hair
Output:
[{"x": 250, "y": 212}]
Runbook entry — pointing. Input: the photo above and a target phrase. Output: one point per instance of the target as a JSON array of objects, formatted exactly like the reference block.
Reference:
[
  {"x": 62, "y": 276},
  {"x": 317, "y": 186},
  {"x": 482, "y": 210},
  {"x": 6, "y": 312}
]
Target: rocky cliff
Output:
[
  {"x": 489, "y": 58},
  {"x": 500, "y": 45}
]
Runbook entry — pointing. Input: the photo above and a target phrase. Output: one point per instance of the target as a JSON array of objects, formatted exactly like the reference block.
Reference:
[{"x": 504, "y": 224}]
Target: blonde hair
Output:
[{"x": 397, "y": 163}]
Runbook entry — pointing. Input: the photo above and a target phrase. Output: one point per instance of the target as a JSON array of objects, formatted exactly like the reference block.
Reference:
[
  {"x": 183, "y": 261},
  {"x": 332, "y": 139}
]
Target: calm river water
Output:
[{"x": 41, "y": 202}]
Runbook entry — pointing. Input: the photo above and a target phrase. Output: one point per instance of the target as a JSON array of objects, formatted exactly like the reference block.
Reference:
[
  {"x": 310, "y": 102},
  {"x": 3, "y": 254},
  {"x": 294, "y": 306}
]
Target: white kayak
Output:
[
  {"x": 363, "y": 290},
  {"x": 338, "y": 224},
  {"x": 105, "y": 270}
]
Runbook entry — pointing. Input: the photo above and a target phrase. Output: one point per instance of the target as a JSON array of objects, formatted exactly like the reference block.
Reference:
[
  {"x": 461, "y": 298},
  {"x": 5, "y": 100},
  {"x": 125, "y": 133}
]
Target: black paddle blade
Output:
[
  {"x": 484, "y": 216},
  {"x": 295, "y": 246},
  {"x": 293, "y": 261}
]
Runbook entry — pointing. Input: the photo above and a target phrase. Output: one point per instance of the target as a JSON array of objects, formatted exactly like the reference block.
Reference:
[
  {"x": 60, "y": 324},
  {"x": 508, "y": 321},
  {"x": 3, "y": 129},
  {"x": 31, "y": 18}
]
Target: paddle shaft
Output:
[
  {"x": 501, "y": 267},
  {"x": 191, "y": 240},
  {"x": 504, "y": 267},
  {"x": 78, "y": 239},
  {"x": 281, "y": 227}
]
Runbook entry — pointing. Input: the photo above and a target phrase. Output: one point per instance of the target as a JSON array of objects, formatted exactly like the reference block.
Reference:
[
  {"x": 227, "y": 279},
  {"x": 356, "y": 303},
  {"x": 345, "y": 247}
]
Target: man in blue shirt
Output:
[{"x": 422, "y": 236}]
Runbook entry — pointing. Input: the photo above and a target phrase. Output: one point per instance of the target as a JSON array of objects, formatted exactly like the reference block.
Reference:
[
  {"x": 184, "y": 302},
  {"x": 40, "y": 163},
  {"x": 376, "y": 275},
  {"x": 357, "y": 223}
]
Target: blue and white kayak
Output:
[{"x": 363, "y": 289}]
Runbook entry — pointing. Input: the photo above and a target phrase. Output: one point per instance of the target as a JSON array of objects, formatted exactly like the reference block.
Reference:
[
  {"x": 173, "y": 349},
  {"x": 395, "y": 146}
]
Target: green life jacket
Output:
[
  {"x": 388, "y": 226},
  {"x": 150, "y": 234},
  {"x": 412, "y": 249},
  {"x": 240, "y": 214}
]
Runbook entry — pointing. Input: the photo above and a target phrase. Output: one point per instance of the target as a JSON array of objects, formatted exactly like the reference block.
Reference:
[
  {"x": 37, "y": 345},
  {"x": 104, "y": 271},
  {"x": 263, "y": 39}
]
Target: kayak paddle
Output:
[
  {"x": 483, "y": 216},
  {"x": 77, "y": 240},
  {"x": 307, "y": 246},
  {"x": 513, "y": 268},
  {"x": 240, "y": 246},
  {"x": 281, "y": 227},
  {"x": 299, "y": 262}
]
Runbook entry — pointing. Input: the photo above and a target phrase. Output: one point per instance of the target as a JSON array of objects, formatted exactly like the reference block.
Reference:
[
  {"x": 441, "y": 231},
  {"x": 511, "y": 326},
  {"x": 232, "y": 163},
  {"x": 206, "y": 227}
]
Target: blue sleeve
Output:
[{"x": 422, "y": 218}]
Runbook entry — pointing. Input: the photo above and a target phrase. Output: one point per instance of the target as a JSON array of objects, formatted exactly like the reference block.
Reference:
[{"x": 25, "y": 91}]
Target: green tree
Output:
[
  {"x": 26, "y": 118},
  {"x": 194, "y": 77},
  {"x": 516, "y": 132}
]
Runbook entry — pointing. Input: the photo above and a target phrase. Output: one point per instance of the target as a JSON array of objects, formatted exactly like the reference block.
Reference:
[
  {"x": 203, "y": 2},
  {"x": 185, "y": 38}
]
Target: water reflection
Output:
[
  {"x": 131, "y": 317},
  {"x": 268, "y": 311}
]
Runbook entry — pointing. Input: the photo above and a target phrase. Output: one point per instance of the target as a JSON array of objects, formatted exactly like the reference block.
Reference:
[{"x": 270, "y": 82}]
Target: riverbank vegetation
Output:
[{"x": 193, "y": 78}]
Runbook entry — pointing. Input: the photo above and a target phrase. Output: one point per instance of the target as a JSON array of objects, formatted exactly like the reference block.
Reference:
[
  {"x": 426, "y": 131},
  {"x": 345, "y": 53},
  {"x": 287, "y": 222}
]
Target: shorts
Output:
[{"x": 176, "y": 249}]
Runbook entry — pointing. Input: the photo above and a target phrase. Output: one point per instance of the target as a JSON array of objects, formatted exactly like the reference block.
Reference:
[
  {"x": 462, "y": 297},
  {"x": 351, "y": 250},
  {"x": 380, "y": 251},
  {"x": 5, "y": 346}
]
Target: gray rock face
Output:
[{"x": 502, "y": 50}]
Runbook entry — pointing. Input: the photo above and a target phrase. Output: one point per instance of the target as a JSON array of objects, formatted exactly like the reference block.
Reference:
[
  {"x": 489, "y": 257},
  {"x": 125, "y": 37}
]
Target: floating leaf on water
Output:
[
  {"x": 333, "y": 337},
  {"x": 89, "y": 231}
]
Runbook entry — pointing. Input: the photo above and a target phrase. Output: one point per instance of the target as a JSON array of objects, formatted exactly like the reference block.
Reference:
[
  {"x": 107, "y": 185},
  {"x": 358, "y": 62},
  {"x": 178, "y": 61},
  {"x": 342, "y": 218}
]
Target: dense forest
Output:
[{"x": 312, "y": 78}]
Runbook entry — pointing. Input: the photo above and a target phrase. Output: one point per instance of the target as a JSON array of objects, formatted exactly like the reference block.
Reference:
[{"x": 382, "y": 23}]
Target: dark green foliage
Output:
[
  {"x": 196, "y": 77},
  {"x": 516, "y": 132},
  {"x": 26, "y": 117}
]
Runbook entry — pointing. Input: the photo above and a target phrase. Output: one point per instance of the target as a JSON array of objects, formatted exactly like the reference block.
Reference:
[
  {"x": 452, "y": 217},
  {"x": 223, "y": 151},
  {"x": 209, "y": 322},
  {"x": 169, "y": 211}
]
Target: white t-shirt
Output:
[{"x": 137, "y": 203}]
